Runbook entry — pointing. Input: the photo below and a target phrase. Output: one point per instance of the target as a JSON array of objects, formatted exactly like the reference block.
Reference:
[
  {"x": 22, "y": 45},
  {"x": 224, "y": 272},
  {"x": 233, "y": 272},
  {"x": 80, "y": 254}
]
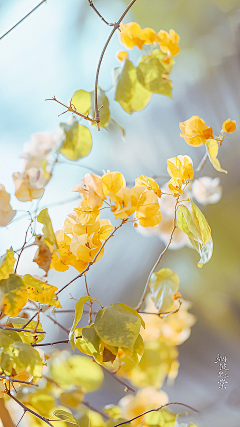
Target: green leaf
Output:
[
  {"x": 27, "y": 337},
  {"x": 65, "y": 416},
  {"x": 49, "y": 236},
  {"x": 8, "y": 338},
  {"x": 78, "y": 371},
  {"x": 201, "y": 223},
  {"x": 89, "y": 341},
  {"x": 82, "y": 101},
  {"x": 118, "y": 325},
  {"x": 212, "y": 151},
  {"x": 11, "y": 298},
  {"x": 21, "y": 355},
  {"x": 40, "y": 291},
  {"x": 103, "y": 105},
  {"x": 77, "y": 142},
  {"x": 163, "y": 284},
  {"x": 161, "y": 418},
  {"x": 130, "y": 94},
  {"x": 78, "y": 315},
  {"x": 186, "y": 223},
  {"x": 7, "y": 264},
  {"x": 150, "y": 75}
]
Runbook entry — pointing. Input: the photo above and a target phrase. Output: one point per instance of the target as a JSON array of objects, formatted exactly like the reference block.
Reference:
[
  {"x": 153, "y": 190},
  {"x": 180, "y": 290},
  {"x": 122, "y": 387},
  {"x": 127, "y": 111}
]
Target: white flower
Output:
[{"x": 207, "y": 190}]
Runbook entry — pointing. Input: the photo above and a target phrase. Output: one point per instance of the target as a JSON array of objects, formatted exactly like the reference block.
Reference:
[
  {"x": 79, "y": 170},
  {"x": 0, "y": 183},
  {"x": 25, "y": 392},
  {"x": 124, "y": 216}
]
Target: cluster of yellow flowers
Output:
[
  {"x": 181, "y": 170},
  {"x": 132, "y": 35}
]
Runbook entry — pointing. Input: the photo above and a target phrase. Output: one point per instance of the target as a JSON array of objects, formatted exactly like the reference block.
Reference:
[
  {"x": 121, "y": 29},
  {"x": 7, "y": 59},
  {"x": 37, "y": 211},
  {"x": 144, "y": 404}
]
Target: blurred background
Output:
[{"x": 55, "y": 52}]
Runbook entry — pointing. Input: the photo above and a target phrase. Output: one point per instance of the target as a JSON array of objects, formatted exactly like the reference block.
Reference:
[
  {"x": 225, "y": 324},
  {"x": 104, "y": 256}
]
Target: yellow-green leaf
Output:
[
  {"x": 103, "y": 105},
  {"x": 212, "y": 151},
  {"x": 113, "y": 411},
  {"x": 186, "y": 223},
  {"x": 163, "y": 284},
  {"x": 40, "y": 291},
  {"x": 87, "y": 340},
  {"x": 82, "y": 101},
  {"x": 65, "y": 416},
  {"x": 13, "y": 295},
  {"x": 78, "y": 315},
  {"x": 7, "y": 264},
  {"x": 151, "y": 76},
  {"x": 27, "y": 337},
  {"x": 49, "y": 236},
  {"x": 77, "y": 141},
  {"x": 161, "y": 418},
  {"x": 118, "y": 326},
  {"x": 78, "y": 371},
  {"x": 201, "y": 223},
  {"x": 8, "y": 338},
  {"x": 130, "y": 94},
  {"x": 19, "y": 356}
]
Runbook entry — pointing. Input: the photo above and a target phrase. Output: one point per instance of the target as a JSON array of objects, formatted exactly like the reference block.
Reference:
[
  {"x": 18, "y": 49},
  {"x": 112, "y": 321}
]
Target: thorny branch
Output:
[
  {"x": 159, "y": 259},
  {"x": 94, "y": 259},
  {"x": 154, "y": 410},
  {"x": 21, "y": 20}
]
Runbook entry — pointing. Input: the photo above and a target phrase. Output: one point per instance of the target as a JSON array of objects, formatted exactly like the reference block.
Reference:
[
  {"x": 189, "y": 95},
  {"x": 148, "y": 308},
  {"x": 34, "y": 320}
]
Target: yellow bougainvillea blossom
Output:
[
  {"x": 26, "y": 185},
  {"x": 112, "y": 182},
  {"x": 229, "y": 126},
  {"x": 149, "y": 35},
  {"x": 180, "y": 167},
  {"x": 168, "y": 42},
  {"x": 175, "y": 185},
  {"x": 122, "y": 207},
  {"x": 131, "y": 35},
  {"x": 149, "y": 183},
  {"x": 195, "y": 131},
  {"x": 148, "y": 398},
  {"x": 6, "y": 211},
  {"x": 121, "y": 55},
  {"x": 91, "y": 190},
  {"x": 147, "y": 207}
]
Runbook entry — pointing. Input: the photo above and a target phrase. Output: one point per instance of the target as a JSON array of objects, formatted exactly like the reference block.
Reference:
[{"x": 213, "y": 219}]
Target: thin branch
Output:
[
  {"x": 58, "y": 324},
  {"x": 7, "y": 328},
  {"x": 25, "y": 242},
  {"x": 94, "y": 259},
  {"x": 24, "y": 412},
  {"x": 155, "y": 410},
  {"x": 30, "y": 320},
  {"x": 26, "y": 409},
  {"x": 115, "y": 27},
  {"x": 99, "y": 14},
  {"x": 95, "y": 410},
  {"x": 165, "y": 314},
  {"x": 50, "y": 343},
  {"x": 202, "y": 163},
  {"x": 127, "y": 387},
  {"x": 159, "y": 259},
  {"x": 6, "y": 377},
  {"x": 21, "y": 20},
  {"x": 72, "y": 109}
]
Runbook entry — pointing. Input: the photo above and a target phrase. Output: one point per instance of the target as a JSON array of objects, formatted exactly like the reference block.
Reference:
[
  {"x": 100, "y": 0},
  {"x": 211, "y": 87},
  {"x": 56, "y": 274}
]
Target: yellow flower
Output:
[
  {"x": 6, "y": 212},
  {"x": 175, "y": 185},
  {"x": 147, "y": 206},
  {"x": 149, "y": 183},
  {"x": 121, "y": 55},
  {"x": 132, "y": 35},
  {"x": 112, "y": 182},
  {"x": 123, "y": 207},
  {"x": 229, "y": 126},
  {"x": 84, "y": 214},
  {"x": 149, "y": 35},
  {"x": 168, "y": 42},
  {"x": 195, "y": 131},
  {"x": 91, "y": 190},
  {"x": 26, "y": 185},
  {"x": 180, "y": 167}
]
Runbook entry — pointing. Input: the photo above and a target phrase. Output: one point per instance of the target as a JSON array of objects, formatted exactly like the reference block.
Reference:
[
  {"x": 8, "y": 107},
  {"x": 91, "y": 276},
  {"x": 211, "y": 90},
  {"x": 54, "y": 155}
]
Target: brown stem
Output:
[
  {"x": 99, "y": 14},
  {"x": 4, "y": 415},
  {"x": 115, "y": 27},
  {"x": 6, "y": 328},
  {"x": 58, "y": 324},
  {"x": 21, "y": 20},
  {"x": 24, "y": 244},
  {"x": 163, "y": 313},
  {"x": 94, "y": 259},
  {"x": 72, "y": 109},
  {"x": 6, "y": 377},
  {"x": 26, "y": 409},
  {"x": 155, "y": 410},
  {"x": 128, "y": 387},
  {"x": 159, "y": 259},
  {"x": 50, "y": 343}
]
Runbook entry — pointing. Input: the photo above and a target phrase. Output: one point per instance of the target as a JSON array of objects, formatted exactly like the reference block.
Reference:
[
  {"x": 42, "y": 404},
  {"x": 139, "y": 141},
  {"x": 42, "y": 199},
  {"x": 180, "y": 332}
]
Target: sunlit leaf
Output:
[
  {"x": 65, "y": 416},
  {"x": 130, "y": 94},
  {"x": 49, "y": 236},
  {"x": 186, "y": 223},
  {"x": 150, "y": 75},
  {"x": 212, "y": 150},
  {"x": 7, "y": 264},
  {"x": 39, "y": 291},
  {"x": 82, "y": 101},
  {"x": 77, "y": 142},
  {"x": 78, "y": 371},
  {"x": 103, "y": 106},
  {"x": 13, "y": 295},
  {"x": 21, "y": 355},
  {"x": 205, "y": 251},
  {"x": 163, "y": 284},
  {"x": 8, "y": 338},
  {"x": 43, "y": 255},
  {"x": 27, "y": 337},
  {"x": 118, "y": 325},
  {"x": 78, "y": 315},
  {"x": 113, "y": 411},
  {"x": 161, "y": 418},
  {"x": 201, "y": 223}
]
